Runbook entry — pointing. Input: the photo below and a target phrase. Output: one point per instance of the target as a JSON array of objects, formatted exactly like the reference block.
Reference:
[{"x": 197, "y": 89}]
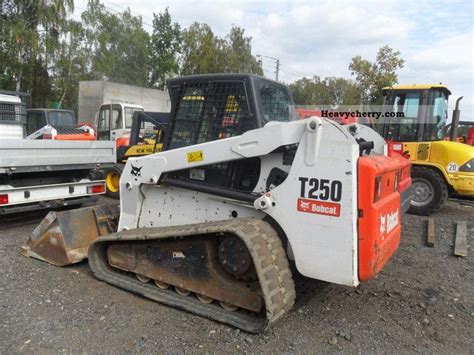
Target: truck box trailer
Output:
[{"x": 92, "y": 94}]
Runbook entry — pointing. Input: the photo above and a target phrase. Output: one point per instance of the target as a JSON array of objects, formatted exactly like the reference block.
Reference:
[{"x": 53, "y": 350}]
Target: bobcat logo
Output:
[
  {"x": 136, "y": 170},
  {"x": 304, "y": 205}
]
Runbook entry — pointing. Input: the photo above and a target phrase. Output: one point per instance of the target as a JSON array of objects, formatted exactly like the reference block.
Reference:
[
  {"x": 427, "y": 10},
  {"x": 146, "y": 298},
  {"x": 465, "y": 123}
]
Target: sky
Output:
[{"x": 436, "y": 38}]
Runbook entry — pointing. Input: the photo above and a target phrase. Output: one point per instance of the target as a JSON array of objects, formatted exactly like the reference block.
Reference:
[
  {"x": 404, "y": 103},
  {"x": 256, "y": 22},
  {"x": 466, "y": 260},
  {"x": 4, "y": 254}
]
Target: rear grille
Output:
[
  {"x": 69, "y": 131},
  {"x": 9, "y": 112}
]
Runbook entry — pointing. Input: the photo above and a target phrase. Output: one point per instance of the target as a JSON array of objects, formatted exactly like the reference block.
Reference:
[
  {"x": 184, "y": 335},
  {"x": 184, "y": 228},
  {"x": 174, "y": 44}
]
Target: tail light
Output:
[
  {"x": 3, "y": 199},
  {"x": 96, "y": 189},
  {"x": 377, "y": 188},
  {"x": 47, "y": 136}
]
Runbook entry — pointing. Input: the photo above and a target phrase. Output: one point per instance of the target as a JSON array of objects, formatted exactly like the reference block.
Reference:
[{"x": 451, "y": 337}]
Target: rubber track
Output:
[{"x": 263, "y": 243}]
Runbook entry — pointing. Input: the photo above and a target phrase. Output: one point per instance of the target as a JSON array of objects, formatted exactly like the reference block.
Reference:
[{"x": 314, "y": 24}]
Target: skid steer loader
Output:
[{"x": 241, "y": 189}]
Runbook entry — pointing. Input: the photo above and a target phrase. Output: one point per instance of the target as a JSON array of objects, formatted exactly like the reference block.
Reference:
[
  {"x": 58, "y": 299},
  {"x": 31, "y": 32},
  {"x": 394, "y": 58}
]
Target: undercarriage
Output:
[{"x": 235, "y": 271}]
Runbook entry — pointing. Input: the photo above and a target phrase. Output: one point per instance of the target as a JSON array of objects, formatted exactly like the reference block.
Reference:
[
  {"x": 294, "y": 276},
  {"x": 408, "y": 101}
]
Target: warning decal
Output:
[
  {"x": 195, "y": 156},
  {"x": 319, "y": 207}
]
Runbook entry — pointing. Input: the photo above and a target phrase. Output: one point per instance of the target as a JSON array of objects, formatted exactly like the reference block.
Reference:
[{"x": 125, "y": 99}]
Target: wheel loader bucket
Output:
[{"x": 63, "y": 238}]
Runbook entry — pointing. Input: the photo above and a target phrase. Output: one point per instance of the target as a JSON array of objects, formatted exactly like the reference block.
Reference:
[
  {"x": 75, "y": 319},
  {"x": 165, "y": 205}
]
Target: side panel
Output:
[
  {"x": 170, "y": 206},
  {"x": 316, "y": 206},
  {"x": 16, "y": 153}
]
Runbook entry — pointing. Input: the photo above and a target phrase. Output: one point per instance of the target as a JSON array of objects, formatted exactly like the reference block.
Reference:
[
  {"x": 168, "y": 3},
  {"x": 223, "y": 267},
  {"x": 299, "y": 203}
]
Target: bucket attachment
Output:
[{"x": 63, "y": 238}]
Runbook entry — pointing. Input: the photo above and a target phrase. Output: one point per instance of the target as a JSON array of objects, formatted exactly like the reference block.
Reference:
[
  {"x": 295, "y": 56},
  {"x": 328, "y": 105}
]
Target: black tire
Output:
[
  {"x": 112, "y": 189},
  {"x": 430, "y": 191}
]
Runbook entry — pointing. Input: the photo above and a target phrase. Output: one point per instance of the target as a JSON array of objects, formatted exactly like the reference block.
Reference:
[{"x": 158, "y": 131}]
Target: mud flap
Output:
[{"x": 63, "y": 238}]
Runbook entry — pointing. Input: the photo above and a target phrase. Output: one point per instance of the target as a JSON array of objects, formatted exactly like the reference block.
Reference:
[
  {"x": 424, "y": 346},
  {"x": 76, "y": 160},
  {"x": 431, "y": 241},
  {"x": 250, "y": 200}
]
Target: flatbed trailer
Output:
[{"x": 43, "y": 174}]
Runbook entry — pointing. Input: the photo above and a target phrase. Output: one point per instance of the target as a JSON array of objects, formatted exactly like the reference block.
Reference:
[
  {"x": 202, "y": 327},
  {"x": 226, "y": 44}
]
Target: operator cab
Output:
[
  {"x": 419, "y": 113},
  {"x": 215, "y": 106}
]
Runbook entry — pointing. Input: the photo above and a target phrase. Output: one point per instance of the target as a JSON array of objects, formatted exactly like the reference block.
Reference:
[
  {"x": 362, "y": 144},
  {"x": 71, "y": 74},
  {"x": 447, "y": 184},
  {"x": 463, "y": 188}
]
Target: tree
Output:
[
  {"x": 343, "y": 91},
  {"x": 29, "y": 39},
  {"x": 373, "y": 76},
  {"x": 325, "y": 93},
  {"x": 203, "y": 52},
  {"x": 165, "y": 46},
  {"x": 239, "y": 49},
  {"x": 200, "y": 50},
  {"x": 119, "y": 45},
  {"x": 70, "y": 66}
]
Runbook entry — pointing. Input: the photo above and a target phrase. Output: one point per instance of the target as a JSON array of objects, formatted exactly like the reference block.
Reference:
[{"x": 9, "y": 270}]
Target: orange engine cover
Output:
[
  {"x": 75, "y": 137},
  {"x": 379, "y": 213}
]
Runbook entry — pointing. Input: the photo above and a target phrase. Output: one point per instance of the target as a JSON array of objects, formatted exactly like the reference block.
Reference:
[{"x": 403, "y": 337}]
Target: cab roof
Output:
[{"x": 417, "y": 87}]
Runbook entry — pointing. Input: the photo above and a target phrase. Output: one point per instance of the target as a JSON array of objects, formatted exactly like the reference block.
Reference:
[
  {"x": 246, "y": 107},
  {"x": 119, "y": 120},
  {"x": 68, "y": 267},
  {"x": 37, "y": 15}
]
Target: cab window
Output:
[
  {"x": 435, "y": 125},
  {"x": 404, "y": 128},
  {"x": 35, "y": 121},
  {"x": 276, "y": 102},
  {"x": 116, "y": 117},
  {"x": 129, "y": 111},
  {"x": 210, "y": 111},
  {"x": 61, "y": 119},
  {"x": 103, "y": 126}
]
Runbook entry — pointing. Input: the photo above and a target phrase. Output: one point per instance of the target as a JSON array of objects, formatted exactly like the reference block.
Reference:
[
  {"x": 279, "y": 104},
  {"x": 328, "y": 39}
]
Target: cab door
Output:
[
  {"x": 117, "y": 126},
  {"x": 35, "y": 120},
  {"x": 103, "y": 123}
]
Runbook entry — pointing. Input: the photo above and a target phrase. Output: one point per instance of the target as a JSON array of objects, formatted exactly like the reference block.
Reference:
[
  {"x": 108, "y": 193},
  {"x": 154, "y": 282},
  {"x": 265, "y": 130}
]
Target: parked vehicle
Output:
[
  {"x": 36, "y": 174},
  {"x": 241, "y": 189},
  {"x": 440, "y": 168}
]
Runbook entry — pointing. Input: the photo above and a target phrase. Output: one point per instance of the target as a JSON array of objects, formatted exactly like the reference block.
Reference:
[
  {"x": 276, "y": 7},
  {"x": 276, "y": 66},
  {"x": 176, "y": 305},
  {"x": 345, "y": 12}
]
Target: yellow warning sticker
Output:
[{"x": 194, "y": 157}]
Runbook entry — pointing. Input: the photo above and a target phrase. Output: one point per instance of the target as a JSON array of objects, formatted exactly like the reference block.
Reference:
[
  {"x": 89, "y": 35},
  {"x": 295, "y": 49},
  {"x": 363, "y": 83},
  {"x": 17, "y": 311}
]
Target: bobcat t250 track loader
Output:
[{"x": 241, "y": 190}]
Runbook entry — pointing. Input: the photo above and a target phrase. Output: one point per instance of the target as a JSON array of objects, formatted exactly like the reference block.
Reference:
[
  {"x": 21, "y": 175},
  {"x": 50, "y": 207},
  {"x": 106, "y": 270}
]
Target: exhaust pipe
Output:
[{"x": 455, "y": 122}]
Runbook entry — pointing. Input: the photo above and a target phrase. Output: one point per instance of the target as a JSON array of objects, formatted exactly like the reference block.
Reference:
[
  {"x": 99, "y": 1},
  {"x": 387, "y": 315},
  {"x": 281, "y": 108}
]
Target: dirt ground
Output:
[{"x": 423, "y": 301}]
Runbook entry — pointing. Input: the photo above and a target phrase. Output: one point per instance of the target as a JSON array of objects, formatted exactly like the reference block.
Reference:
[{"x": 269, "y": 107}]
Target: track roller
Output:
[
  {"x": 162, "y": 285},
  {"x": 204, "y": 299},
  {"x": 182, "y": 291},
  {"x": 143, "y": 278}
]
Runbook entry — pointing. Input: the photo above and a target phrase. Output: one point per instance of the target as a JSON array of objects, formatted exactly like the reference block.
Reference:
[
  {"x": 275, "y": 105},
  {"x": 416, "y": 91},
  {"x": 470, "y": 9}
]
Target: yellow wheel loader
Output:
[
  {"x": 241, "y": 189},
  {"x": 441, "y": 168}
]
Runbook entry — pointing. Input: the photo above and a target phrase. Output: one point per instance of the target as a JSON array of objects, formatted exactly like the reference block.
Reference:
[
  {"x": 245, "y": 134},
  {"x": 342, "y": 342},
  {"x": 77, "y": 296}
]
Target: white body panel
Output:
[
  {"x": 25, "y": 153},
  {"x": 11, "y": 131},
  {"x": 324, "y": 246}
]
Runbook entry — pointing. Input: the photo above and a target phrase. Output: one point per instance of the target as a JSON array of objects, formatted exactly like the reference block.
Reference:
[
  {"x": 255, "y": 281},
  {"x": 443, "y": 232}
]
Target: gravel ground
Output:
[{"x": 423, "y": 301}]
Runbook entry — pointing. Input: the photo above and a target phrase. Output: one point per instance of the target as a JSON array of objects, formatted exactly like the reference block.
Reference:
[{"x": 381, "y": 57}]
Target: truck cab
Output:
[
  {"x": 114, "y": 121},
  {"x": 59, "y": 119}
]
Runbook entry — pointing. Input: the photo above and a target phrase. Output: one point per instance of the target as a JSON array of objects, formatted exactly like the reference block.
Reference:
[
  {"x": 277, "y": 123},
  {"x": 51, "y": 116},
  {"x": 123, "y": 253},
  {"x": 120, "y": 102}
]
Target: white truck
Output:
[{"x": 36, "y": 174}]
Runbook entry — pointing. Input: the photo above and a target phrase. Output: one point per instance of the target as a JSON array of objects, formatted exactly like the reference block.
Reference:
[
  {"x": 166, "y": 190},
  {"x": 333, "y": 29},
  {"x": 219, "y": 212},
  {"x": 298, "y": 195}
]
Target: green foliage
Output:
[
  {"x": 373, "y": 76},
  {"x": 325, "y": 93},
  {"x": 164, "y": 47},
  {"x": 239, "y": 53},
  {"x": 29, "y": 40},
  {"x": 204, "y": 52},
  {"x": 119, "y": 45}
]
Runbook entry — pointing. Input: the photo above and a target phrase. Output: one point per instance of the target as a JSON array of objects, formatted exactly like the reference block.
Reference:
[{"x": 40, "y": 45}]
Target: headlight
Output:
[{"x": 468, "y": 167}]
